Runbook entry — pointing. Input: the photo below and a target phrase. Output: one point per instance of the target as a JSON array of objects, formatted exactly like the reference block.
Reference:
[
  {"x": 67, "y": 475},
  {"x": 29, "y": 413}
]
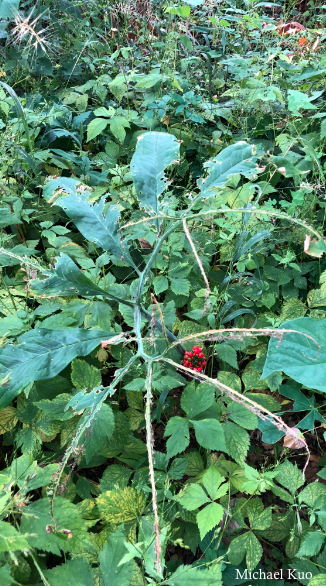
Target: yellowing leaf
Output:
[
  {"x": 8, "y": 419},
  {"x": 121, "y": 506}
]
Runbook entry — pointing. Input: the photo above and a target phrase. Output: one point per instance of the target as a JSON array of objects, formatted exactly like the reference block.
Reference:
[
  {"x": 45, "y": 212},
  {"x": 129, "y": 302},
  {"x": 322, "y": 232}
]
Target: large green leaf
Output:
[
  {"x": 194, "y": 497},
  {"x": 192, "y": 576},
  {"x": 65, "y": 279},
  {"x": 102, "y": 428},
  {"x": 301, "y": 354},
  {"x": 66, "y": 517},
  {"x": 237, "y": 441},
  {"x": 41, "y": 354},
  {"x": 236, "y": 158},
  {"x": 246, "y": 544},
  {"x": 178, "y": 429},
  {"x": 110, "y": 558},
  {"x": 208, "y": 518},
  {"x": 73, "y": 573},
  {"x": 96, "y": 224},
  {"x": 210, "y": 434},
  {"x": 194, "y": 399},
  {"x": 154, "y": 152},
  {"x": 8, "y": 8},
  {"x": 10, "y": 539}
]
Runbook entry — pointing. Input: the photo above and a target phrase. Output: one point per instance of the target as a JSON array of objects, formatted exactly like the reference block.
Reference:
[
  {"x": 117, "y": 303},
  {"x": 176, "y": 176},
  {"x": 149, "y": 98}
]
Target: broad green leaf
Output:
[
  {"x": 280, "y": 527},
  {"x": 228, "y": 354},
  {"x": 314, "y": 495},
  {"x": 247, "y": 545},
  {"x": 149, "y": 80},
  {"x": 178, "y": 468},
  {"x": 8, "y": 8},
  {"x": 303, "y": 567},
  {"x": 211, "y": 481},
  {"x": 195, "y": 463},
  {"x": 237, "y": 441},
  {"x": 85, "y": 376},
  {"x": 259, "y": 518},
  {"x": 197, "y": 398},
  {"x": 194, "y": 497},
  {"x": 311, "y": 544},
  {"x": 65, "y": 279},
  {"x": 230, "y": 379},
  {"x": 192, "y": 576},
  {"x": 10, "y": 539},
  {"x": 115, "y": 476},
  {"x": 266, "y": 401},
  {"x": 66, "y": 516},
  {"x": 6, "y": 578},
  {"x": 154, "y": 152},
  {"x": 95, "y": 128},
  {"x": 208, "y": 518},
  {"x": 106, "y": 112},
  {"x": 29, "y": 441},
  {"x": 241, "y": 415},
  {"x": 178, "y": 429},
  {"x": 42, "y": 476},
  {"x": 180, "y": 286},
  {"x": 55, "y": 408},
  {"x": 303, "y": 403},
  {"x": 210, "y": 434},
  {"x": 299, "y": 101},
  {"x": 301, "y": 357},
  {"x": 290, "y": 476},
  {"x": 110, "y": 557},
  {"x": 160, "y": 284},
  {"x": 41, "y": 354},
  {"x": 73, "y": 573},
  {"x": 96, "y": 224},
  {"x": 183, "y": 11},
  {"x": 102, "y": 428},
  {"x": 117, "y": 127},
  {"x": 236, "y": 158}
]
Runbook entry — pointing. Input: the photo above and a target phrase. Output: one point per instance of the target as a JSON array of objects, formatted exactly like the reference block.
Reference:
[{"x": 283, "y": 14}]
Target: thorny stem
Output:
[{"x": 150, "y": 451}]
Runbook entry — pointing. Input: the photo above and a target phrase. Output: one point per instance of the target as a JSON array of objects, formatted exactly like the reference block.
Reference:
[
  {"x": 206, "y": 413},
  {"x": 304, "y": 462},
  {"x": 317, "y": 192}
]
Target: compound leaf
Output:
[{"x": 110, "y": 557}]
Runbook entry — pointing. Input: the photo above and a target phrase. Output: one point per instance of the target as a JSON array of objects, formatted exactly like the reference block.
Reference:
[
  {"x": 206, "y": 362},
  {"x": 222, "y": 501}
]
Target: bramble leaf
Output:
[{"x": 114, "y": 573}]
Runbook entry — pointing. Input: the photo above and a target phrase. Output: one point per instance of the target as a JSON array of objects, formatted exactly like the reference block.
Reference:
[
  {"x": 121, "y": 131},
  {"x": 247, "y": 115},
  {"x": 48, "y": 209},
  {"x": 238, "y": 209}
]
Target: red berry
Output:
[
  {"x": 190, "y": 354},
  {"x": 200, "y": 354},
  {"x": 199, "y": 369}
]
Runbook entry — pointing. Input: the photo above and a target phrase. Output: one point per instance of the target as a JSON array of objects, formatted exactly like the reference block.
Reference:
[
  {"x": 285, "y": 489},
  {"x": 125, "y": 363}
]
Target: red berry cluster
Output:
[{"x": 195, "y": 360}]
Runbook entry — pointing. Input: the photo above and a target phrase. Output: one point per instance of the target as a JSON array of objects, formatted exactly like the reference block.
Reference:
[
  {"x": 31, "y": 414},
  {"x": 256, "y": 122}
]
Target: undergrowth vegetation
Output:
[{"x": 163, "y": 293}]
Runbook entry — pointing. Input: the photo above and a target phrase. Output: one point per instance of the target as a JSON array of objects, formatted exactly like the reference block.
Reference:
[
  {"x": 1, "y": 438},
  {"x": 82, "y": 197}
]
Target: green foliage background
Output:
[{"x": 162, "y": 185}]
